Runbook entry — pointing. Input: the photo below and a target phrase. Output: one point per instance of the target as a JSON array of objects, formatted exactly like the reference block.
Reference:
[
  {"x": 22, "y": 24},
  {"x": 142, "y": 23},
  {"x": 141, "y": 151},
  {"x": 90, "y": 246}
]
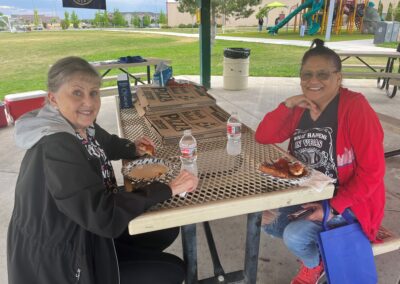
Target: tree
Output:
[
  {"x": 74, "y": 20},
  {"x": 64, "y": 25},
  {"x": 98, "y": 19},
  {"x": 162, "y": 18},
  {"x": 101, "y": 19},
  {"x": 389, "y": 14},
  {"x": 106, "y": 20},
  {"x": 3, "y": 21},
  {"x": 36, "y": 19},
  {"x": 66, "y": 21},
  {"x": 53, "y": 21},
  {"x": 146, "y": 21},
  {"x": 118, "y": 20},
  {"x": 188, "y": 6},
  {"x": 227, "y": 8},
  {"x": 397, "y": 13},
  {"x": 136, "y": 21}
]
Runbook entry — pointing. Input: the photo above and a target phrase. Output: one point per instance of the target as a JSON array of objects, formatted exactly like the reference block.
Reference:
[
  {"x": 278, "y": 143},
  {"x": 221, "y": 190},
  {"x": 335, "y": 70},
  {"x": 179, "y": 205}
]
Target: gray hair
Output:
[{"x": 66, "y": 67}]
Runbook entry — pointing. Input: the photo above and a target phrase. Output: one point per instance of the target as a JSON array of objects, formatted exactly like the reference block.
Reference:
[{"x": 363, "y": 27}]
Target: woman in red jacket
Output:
[{"x": 335, "y": 131}]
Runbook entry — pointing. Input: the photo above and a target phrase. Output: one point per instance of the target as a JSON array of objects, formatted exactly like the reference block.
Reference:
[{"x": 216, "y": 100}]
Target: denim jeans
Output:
[{"x": 300, "y": 236}]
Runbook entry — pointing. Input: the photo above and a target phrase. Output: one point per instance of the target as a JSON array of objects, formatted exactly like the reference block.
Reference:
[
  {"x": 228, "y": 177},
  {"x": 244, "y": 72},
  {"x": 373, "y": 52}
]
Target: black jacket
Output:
[{"x": 64, "y": 220}]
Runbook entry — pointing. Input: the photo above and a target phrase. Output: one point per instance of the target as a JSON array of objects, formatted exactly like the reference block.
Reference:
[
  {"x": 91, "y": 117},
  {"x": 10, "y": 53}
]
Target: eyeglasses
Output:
[{"x": 320, "y": 75}]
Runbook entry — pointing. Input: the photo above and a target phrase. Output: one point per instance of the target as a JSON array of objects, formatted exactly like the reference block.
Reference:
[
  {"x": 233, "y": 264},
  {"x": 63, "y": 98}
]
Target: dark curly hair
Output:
[{"x": 318, "y": 48}]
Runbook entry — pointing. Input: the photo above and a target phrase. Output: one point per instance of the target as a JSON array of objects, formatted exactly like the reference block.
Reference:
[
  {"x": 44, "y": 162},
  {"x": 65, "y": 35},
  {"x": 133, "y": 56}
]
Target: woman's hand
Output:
[
  {"x": 318, "y": 213},
  {"x": 184, "y": 182},
  {"x": 140, "y": 151},
  {"x": 302, "y": 101}
]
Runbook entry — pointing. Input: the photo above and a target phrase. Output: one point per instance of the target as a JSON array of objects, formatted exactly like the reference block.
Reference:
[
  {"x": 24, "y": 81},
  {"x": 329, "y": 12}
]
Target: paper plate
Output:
[
  {"x": 150, "y": 169},
  {"x": 291, "y": 179}
]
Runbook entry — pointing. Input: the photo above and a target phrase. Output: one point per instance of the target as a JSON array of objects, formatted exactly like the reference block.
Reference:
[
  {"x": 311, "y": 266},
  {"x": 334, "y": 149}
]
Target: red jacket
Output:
[{"x": 360, "y": 155}]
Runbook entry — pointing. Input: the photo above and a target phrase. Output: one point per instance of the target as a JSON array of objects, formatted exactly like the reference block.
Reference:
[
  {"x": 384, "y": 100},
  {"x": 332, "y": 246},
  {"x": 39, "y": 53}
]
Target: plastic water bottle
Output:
[
  {"x": 188, "y": 146},
  {"x": 234, "y": 133}
]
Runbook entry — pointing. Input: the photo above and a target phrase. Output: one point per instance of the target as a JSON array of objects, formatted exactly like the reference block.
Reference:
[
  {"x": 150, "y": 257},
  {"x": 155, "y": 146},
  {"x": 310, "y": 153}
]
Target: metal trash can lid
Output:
[{"x": 237, "y": 53}]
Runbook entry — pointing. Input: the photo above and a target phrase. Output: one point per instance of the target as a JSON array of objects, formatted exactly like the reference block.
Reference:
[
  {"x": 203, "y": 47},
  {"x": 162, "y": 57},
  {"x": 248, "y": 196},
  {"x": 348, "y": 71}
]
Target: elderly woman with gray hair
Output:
[{"x": 69, "y": 223}]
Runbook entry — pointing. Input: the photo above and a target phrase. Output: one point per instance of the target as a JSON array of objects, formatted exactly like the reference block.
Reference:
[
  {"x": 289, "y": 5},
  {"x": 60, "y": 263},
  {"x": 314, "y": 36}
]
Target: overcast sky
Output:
[{"x": 54, "y": 7}]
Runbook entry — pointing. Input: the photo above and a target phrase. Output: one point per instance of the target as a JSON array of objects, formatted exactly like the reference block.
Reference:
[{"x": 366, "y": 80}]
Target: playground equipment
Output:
[
  {"x": 354, "y": 12},
  {"x": 313, "y": 25},
  {"x": 317, "y": 14},
  {"x": 263, "y": 12}
]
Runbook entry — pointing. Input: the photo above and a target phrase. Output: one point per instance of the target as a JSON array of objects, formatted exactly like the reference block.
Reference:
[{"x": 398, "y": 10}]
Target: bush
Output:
[
  {"x": 165, "y": 27},
  {"x": 188, "y": 26},
  {"x": 64, "y": 25}
]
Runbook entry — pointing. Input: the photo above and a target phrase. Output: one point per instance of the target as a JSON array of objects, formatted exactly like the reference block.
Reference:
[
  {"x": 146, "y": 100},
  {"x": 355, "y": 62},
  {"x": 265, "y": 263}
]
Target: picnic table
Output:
[
  {"x": 109, "y": 65},
  {"x": 228, "y": 186},
  {"x": 387, "y": 75}
]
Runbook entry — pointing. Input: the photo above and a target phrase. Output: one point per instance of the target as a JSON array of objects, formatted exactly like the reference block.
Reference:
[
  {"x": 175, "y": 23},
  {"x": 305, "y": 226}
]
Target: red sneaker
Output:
[{"x": 308, "y": 275}]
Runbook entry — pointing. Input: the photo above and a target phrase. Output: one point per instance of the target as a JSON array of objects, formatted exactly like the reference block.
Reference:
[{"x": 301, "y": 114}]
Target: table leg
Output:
[
  {"x": 189, "y": 245},
  {"x": 392, "y": 93},
  {"x": 105, "y": 73},
  {"x": 130, "y": 75},
  {"x": 252, "y": 247},
  {"x": 392, "y": 153},
  {"x": 148, "y": 74}
]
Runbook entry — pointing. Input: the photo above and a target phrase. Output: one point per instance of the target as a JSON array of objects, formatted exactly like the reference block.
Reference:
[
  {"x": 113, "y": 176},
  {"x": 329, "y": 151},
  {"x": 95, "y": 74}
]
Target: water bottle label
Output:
[
  {"x": 188, "y": 152},
  {"x": 234, "y": 129}
]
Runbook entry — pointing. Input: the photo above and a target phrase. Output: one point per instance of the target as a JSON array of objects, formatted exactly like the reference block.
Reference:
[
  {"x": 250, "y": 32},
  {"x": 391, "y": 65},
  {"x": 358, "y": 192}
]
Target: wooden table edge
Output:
[{"x": 168, "y": 218}]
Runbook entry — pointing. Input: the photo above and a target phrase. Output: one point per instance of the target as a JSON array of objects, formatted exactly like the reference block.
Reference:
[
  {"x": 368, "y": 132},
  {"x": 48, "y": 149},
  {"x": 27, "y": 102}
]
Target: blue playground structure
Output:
[{"x": 313, "y": 25}]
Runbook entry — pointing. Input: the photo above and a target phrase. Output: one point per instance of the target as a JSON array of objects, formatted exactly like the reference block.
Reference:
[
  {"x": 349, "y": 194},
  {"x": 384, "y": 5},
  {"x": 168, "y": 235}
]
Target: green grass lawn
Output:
[
  {"x": 25, "y": 57},
  {"x": 389, "y": 44}
]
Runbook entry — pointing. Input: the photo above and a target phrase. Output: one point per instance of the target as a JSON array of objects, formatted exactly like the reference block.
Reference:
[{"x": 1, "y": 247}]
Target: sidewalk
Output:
[
  {"x": 351, "y": 45},
  {"x": 276, "y": 264}
]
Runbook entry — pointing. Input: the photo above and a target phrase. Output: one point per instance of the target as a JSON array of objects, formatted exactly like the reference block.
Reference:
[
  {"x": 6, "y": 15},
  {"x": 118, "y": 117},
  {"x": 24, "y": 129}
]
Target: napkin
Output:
[{"x": 317, "y": 181}]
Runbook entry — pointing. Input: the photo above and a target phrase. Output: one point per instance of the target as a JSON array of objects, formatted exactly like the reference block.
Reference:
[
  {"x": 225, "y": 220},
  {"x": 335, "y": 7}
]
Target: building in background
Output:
[
  {"x": 128, "y": 16},
  {"x": 25, "y": 22},
  {"x": 175, "y": 18}
]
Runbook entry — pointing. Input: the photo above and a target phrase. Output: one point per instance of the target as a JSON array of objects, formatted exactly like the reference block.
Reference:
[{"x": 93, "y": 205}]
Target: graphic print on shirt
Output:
[
  {"x": 95, "y": 150},
  {"x": 314, "y": 147}
]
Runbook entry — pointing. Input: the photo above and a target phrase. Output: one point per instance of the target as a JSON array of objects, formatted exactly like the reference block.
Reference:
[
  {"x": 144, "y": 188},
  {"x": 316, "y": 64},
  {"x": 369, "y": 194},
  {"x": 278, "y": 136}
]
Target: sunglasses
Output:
[{"x": 320, "y": 75}]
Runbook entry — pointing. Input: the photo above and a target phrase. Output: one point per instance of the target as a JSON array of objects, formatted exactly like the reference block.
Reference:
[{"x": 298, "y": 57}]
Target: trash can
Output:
[
  {"x": 383, "y": 32},
  {"x": 236, "y": 68},
  {"x": 395, "y": 31}
]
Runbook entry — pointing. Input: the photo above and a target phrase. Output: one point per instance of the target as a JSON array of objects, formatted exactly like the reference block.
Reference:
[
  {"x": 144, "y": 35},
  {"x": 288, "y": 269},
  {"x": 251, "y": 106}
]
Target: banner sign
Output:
[{"x": 89, "y": 4}]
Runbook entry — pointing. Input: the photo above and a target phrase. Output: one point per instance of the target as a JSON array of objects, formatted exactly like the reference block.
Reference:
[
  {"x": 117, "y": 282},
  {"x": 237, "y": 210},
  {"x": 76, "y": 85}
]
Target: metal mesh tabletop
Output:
[{"x": 221, "y": 176}]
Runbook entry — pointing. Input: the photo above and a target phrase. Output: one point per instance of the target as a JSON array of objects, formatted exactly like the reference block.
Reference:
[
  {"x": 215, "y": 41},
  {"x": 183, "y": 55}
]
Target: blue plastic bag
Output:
[
  {"x": 162, "y": 74},
  {"x": 346, "y": 252}
]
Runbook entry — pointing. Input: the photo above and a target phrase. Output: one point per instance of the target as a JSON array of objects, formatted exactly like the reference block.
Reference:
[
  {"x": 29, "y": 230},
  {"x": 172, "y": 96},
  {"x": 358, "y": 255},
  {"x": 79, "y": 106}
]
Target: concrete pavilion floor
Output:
[{"x": 276, "y": 264}]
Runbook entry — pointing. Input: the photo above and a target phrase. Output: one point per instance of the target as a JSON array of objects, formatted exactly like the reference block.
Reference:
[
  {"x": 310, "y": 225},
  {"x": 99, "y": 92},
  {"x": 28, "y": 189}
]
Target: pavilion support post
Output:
[{"x": 205, "y": 43}]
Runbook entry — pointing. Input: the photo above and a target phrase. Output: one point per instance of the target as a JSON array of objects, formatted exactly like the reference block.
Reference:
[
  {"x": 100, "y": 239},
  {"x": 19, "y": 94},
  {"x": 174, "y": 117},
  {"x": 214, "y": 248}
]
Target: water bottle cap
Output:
[{"x": 187, "y": 132}]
